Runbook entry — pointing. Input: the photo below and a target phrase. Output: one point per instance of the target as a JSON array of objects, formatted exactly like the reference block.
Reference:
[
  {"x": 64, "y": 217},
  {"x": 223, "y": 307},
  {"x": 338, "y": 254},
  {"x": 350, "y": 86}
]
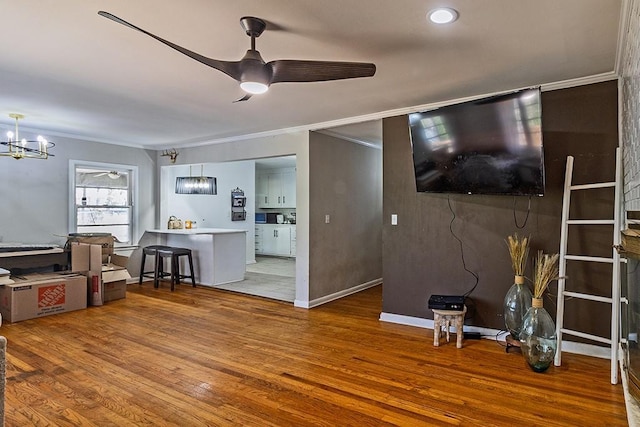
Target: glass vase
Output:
[
  {"x": 516, "y": 303},
  {"x": 538, "y": 337}
]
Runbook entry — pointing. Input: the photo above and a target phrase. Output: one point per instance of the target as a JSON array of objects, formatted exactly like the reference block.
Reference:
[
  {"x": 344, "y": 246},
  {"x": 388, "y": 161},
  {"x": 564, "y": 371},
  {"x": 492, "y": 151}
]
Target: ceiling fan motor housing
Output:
[{"x": 254, "y": 69}]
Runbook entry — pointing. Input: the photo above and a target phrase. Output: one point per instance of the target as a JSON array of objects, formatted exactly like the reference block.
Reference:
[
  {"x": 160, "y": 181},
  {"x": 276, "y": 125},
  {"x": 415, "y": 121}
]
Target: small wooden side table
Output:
[{"x": 442, "y": 319}]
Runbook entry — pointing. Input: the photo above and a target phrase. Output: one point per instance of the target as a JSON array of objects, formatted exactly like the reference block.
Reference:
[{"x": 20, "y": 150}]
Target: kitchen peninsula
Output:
[{"x": 219, "y": 254}]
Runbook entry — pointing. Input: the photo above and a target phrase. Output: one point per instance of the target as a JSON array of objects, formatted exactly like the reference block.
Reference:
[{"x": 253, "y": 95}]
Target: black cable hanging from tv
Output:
[
  {"x": 464, "y": 263},
  {"x": 526, "y": 218}
]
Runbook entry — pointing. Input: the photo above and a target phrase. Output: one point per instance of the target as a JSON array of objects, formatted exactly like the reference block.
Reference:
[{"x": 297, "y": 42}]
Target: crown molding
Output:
[{"x": 323, "y": 126}]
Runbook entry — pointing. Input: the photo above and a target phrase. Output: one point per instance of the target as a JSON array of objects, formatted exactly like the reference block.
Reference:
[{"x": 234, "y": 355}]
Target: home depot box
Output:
[
  {"x": 114, "y": 278},
  {"x": 40, "y": 295}
]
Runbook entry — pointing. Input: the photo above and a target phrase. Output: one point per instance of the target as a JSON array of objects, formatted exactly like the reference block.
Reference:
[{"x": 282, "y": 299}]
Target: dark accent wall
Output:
[
  {"x": 345, "y": 182},
  {"x": 421, "y": 257}
]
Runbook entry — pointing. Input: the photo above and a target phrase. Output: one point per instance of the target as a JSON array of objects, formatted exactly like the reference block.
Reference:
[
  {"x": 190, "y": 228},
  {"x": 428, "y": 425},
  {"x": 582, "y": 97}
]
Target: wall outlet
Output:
[
  {"x": 394, "y": 219},
  {"x": 327, "y": 219}
]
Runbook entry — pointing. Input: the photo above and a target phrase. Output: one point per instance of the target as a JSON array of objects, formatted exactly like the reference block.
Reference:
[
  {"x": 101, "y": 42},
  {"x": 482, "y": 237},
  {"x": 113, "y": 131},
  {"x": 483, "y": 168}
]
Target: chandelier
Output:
[{"x": 23, "y": 149}]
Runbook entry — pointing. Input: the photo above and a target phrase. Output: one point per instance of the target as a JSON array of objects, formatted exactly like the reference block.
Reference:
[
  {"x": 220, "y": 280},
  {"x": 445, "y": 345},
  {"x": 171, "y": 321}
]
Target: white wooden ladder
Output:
[{"x": 614, "y": 299}]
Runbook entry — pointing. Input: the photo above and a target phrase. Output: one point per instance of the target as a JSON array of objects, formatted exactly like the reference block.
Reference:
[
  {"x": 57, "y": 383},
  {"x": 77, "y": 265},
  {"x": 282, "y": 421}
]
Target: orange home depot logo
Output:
[{"x": 49, "y": 296}]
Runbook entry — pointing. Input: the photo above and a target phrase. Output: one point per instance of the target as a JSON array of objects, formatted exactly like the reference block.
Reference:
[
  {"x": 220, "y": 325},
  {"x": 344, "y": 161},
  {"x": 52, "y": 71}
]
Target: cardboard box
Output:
[
  {"x": 86, "y": 259},
  {"x": 114, "y": 290},
  {"x": 42, "y": 295},
  {"x": 105, "y": 242},
  {"x": 114, "y": 278}
]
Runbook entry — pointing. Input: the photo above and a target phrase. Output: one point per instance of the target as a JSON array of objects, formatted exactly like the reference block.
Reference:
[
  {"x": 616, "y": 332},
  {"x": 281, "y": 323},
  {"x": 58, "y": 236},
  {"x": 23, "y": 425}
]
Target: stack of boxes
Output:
[
  {"x": 97, "y": 276},
  {"x": 106, "y": 272}
]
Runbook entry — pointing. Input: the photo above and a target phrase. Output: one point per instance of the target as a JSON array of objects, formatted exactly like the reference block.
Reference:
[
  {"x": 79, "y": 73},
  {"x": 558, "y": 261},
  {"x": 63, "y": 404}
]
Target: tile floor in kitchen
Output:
[{"x": 269, "y": 277}]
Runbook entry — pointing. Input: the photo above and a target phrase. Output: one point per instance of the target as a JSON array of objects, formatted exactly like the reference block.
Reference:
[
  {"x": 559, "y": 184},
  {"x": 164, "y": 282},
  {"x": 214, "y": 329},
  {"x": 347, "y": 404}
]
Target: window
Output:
[{"x": 103, "y": 200}]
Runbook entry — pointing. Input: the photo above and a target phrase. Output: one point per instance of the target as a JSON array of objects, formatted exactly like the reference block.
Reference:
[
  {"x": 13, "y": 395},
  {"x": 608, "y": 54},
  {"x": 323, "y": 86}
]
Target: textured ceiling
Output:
[{"x": 76, "y": 74}]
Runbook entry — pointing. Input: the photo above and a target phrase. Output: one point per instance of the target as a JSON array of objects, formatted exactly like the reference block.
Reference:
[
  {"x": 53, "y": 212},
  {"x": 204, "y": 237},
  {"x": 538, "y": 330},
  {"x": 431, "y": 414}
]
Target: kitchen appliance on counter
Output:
[
  {"x": 272, "y": 218},
  {"x": 261, "y": 218},
  {"x": 280, "y": 219}
]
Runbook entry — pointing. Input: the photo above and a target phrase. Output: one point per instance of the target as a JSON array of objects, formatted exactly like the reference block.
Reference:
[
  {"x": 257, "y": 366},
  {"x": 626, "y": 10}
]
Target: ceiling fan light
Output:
[{"x": 254, "y": 88}]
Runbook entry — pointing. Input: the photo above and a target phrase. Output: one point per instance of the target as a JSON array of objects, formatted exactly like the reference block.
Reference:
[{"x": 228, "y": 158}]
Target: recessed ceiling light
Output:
[{"x": 443, "y": 15}]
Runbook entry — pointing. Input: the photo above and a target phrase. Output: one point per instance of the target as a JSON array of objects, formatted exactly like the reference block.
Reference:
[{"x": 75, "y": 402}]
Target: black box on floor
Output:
[{"x": 446, "y": 302}]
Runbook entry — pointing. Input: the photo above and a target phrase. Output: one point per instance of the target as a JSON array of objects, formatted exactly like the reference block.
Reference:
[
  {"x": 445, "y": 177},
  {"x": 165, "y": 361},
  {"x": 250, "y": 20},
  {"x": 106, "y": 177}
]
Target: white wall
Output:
[
  {"x": 34, "y": 193},
  {"x": 211, "y": 211}
]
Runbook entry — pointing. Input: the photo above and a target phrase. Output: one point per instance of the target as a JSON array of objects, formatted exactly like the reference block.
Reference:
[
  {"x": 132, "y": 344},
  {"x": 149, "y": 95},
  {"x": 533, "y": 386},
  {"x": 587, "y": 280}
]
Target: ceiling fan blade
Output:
[
  {"x": 288, "y": 70},
  {"x": 230, "y": 68},
  {"x": 244, "y": 98}
]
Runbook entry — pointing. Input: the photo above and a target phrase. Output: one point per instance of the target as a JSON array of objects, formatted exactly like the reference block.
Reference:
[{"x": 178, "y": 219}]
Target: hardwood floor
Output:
[{"x": 199, "y": 357}]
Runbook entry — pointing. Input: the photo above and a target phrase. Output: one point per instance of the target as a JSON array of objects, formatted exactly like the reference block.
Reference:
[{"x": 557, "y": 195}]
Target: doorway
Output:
[{"x": 273, "y": 275}]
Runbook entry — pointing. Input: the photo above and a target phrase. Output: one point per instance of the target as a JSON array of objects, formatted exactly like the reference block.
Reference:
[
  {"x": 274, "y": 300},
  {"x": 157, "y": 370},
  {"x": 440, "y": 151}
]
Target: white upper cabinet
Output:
[
  {"x": 262, "y": 190},
  {"x": 288, "y": 180},
  {"x": 276, "y": 188}
]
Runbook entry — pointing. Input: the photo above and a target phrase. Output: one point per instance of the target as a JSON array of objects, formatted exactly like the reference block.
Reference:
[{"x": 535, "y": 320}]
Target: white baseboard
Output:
[
  {"x": 488, "y": 333},
  {"x": 337, "y": 295}
]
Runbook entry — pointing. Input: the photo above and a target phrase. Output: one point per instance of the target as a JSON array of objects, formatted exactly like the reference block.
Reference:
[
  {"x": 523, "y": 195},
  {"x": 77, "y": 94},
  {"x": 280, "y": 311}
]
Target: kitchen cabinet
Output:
[
  {"x": 288, "y": 188},
  {"x": 274, "y": 239},
  {"x": 276, "y": 188},
  {"x": 258, "y": 239},
  {"x": 262, "y": 190},
  {"x": 277, "y": 241}
]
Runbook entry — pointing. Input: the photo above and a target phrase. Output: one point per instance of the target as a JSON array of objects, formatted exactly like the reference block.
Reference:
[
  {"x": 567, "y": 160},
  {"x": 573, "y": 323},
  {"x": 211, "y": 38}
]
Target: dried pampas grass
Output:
[
  {"x": 519, "y": 251},
  {"x": 546, "y": 270}
]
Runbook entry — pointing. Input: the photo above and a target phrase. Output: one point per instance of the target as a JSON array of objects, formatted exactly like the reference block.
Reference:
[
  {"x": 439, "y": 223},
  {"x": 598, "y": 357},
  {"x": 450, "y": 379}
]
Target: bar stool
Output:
[
  {"x": 174, "y": 255},
  {"x": 152, "y": 251}
]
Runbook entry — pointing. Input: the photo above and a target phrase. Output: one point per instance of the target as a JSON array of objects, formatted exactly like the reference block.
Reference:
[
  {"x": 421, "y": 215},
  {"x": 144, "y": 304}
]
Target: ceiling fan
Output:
[
  {"x": 110, "y": 174},
  {"x": 254, "y": 75}
]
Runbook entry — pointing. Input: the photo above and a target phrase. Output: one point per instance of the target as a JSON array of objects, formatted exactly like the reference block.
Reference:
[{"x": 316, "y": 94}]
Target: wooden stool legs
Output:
[
  {"x": 442, "y": 320},
  {"x": 174, "y": 255},
  {"x": 151, "y": 251}
]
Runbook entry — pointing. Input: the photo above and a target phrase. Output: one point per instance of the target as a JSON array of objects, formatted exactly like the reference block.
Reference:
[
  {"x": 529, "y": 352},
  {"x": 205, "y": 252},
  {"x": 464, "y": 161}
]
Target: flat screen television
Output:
[{"x": 487, "y": 146}]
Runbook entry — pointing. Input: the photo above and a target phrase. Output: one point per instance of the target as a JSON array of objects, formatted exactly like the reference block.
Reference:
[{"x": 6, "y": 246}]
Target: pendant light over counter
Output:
[{"x": 196, "y": 184}]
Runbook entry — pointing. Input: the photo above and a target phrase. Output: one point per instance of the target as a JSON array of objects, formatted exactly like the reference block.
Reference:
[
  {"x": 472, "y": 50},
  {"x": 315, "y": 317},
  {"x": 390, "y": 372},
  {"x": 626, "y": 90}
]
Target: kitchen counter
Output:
[
  {"x": 198, "y": 231},
  {"x": 219, "y": 254}
]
